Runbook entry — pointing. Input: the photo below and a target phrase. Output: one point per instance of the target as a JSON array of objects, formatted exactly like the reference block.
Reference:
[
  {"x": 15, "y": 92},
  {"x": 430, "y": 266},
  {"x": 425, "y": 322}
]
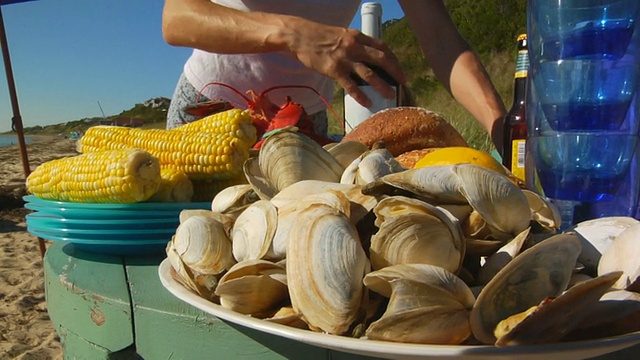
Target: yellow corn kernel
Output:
[
  {"x": 108, "y": 176},
  {"x": 235, "y": 122},
  {"x": 205, "y": 190},
  {"x": 184, "y": 151},
  {"x": 175, "y": 186}
]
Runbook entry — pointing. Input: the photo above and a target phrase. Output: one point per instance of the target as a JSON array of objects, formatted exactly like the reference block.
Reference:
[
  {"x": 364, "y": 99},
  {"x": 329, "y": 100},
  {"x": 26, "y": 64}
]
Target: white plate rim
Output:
[{"x": 385, "y": 349}]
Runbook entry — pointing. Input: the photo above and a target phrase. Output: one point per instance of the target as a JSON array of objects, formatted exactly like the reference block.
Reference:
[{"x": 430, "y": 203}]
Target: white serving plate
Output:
[{"x": 391, "y": 350}]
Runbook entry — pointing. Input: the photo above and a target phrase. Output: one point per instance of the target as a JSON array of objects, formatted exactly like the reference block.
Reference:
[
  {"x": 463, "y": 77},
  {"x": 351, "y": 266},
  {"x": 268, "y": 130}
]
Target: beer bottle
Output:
[{"x": 515, "y": 122}]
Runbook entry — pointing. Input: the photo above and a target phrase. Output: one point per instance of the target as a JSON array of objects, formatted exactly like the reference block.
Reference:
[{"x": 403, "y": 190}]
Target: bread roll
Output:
[{"x": 406, "y": 128}]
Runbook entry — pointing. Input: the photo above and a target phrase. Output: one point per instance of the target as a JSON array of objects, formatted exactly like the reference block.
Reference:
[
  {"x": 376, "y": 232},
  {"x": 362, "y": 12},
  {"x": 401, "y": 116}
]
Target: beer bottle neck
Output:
[
  {"x": 520, "y": 82},
  {"x": 519, "y": 91}
]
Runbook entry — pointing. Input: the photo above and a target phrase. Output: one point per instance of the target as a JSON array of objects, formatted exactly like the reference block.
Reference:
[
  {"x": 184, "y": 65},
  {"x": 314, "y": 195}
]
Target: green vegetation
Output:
[
  {"x": 151, "y": 115},
  {"x": 490, "y": 26}
]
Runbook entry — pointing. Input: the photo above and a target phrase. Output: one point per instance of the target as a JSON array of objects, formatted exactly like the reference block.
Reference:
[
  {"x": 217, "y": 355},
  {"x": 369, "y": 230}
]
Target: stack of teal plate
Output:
[{"x": 120, "y": 229}]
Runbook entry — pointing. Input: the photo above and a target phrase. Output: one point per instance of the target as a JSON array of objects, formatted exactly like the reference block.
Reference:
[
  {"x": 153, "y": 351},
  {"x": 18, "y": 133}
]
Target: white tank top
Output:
[{"x": 258, "y": 72}]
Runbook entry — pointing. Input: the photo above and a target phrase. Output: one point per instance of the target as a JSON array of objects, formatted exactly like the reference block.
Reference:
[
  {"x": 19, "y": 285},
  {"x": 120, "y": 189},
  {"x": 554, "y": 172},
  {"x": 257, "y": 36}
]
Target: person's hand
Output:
[
  {"x": 338, "y": 52},
  {"x": 332, "y": 51}
]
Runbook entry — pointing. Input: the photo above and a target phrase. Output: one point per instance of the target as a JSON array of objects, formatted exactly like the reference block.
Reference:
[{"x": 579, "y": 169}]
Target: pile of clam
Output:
[{"x": 344, "y": 240}]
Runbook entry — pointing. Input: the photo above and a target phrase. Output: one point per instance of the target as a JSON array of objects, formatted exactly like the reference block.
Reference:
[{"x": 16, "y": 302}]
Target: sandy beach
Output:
[{"x": 26, "y": 331}]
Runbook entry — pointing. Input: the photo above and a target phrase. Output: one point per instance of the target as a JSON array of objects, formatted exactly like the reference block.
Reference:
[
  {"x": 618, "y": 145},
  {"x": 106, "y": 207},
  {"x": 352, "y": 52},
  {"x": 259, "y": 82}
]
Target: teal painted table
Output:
[{"x": 112, "y": 307}]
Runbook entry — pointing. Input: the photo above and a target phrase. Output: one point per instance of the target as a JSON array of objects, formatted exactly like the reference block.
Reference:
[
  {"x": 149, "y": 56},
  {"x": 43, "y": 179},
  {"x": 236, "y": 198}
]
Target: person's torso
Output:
[{"x": 258, "y": 72}]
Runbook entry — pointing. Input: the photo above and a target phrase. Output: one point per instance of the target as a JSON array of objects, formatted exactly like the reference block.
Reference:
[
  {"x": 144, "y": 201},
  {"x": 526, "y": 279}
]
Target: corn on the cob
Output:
[
  {"x": 235, "y": 122},
  {"x": 110, "y": 176},
  {"x": 175, "y": 186},
  {"x": 205, "y": 190},
  {"x": 197, "y": 154}
]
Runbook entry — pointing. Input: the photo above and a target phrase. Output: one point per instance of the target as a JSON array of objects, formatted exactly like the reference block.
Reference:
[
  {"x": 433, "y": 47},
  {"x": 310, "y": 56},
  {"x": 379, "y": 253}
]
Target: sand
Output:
[{"x": 26, "y": 332}]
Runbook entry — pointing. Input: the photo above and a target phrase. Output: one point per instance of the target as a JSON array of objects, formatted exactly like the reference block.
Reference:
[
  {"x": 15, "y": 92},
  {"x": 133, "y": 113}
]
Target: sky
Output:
[{"x": 70, "y": 58}]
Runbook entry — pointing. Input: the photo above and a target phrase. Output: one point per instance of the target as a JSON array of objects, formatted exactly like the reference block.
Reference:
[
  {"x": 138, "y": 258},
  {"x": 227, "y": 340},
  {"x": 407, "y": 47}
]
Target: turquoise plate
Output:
[
  {"x": 119, "y": 229},
  {"x": 116, "y": 241},
  {"x": 95, "y": 235},
  {"x": 121, "y": 246},
  {"x": 51, "y": 221},
  {"x": 143, "y": 206},
  {"x": 111, "y": 213}
]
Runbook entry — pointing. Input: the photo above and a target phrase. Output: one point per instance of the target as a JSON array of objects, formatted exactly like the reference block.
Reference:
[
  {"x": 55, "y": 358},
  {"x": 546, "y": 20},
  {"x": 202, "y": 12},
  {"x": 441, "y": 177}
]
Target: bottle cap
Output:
[{"x": 371, "y": 8}]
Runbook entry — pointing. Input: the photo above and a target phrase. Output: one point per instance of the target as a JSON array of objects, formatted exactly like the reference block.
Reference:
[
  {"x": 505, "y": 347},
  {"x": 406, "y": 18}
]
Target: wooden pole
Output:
[{"x": 16, "y": 120}]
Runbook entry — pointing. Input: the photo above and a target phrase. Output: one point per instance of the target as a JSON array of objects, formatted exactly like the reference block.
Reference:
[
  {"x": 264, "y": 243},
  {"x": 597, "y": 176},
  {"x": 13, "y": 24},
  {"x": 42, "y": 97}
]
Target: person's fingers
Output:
[
  {"x": 376, "y": 52},
  {"x": 351, "y": 88},
  {"x": 366, "y": 73}
]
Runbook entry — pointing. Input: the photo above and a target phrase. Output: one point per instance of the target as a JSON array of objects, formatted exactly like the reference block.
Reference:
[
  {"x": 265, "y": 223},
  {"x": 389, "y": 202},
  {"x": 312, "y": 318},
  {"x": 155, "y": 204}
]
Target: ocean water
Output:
[{"x": 6, "y": 140}]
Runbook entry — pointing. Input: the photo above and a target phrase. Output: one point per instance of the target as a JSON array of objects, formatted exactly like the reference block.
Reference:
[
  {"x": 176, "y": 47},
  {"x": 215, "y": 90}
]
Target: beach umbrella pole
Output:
[{"x": 16, "y": 120}]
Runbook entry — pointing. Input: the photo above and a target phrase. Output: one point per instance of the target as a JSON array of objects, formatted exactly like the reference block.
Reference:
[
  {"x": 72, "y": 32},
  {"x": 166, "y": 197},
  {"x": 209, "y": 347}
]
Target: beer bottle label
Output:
[
  {"x": 517, "y": 158},
  {"x": 522, "y": 64}
]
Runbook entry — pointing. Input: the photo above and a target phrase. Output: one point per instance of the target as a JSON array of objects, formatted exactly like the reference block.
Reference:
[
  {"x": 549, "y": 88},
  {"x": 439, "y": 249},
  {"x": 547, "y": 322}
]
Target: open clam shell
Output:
[
  {"x": 233, "y": 199},
  {"x": 325, "y": 267},
  {"x": 623, "y": 255},
  {"x": 413, "y": 231},
  {"x": 253, "y": 232},
  {"x": 427, "y": 305},
  {"x": 542, "y": 271},
  {"x": 199, "y": 253},
  {"x": 361, "y": 204},
  {"x": 543, "y": 211},
  {"x": 288, "y": 215},
  {"x": 346, "y": 151},
  {"x": 617, "y": 313},
  {"x": 288, "y": 157},
  {"x": 502, "y": 257},
  {"x": 370, "y": 166},
  {"x": 253, "y": 287},
  {"x": 202, "y": 244},
  {"x": 597, "y": 235},
  {"x": 554, "y": 319},
  {"x": 501, "y": 203}
]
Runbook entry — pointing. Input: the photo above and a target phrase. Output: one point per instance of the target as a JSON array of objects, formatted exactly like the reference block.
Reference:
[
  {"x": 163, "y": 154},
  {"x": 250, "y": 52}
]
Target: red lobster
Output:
[{"x": 267, "y": 116}]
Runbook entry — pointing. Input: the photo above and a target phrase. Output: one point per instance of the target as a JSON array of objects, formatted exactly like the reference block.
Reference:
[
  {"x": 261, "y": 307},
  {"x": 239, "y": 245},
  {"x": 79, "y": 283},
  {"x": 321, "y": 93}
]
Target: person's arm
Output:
[
  {"x": 333, "y": 51},
  {"x": 455, "y": 63}
]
